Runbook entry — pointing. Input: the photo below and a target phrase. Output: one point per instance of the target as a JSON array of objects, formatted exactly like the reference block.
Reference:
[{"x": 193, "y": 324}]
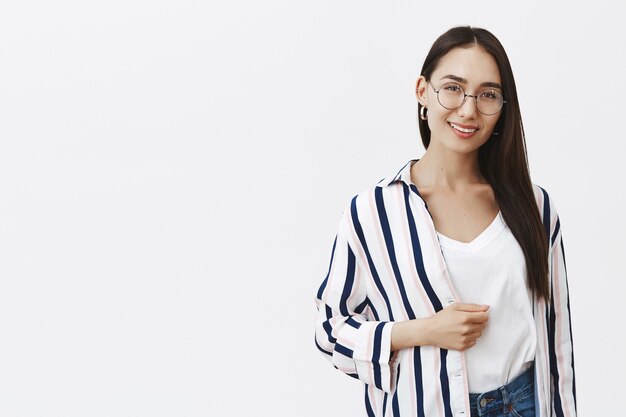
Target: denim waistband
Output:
[{"x": 520, "y": 387}]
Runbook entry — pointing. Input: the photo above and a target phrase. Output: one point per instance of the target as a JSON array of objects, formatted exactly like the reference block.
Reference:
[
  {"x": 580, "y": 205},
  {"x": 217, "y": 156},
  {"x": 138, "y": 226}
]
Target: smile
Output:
[{"x": 463, "y": 129}]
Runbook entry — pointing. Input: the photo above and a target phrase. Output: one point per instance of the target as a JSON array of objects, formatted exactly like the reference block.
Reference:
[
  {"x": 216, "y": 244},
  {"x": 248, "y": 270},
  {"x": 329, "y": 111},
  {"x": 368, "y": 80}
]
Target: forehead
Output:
[{"x": 474, "y": 64}]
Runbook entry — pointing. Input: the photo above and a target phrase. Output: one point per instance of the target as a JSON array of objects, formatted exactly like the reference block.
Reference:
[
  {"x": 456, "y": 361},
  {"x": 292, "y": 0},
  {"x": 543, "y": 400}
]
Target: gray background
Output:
[{"x": 172, "y": 175}]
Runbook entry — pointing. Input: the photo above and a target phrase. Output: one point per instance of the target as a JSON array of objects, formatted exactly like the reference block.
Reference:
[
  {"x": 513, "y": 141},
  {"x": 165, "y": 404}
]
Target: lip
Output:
[
  {"x": 463, "y": 135},
  {"x": 464, "y": 126}
]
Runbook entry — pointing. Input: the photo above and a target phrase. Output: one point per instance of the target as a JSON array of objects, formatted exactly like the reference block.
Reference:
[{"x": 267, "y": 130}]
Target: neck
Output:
[{"x": 440, "y": 167}]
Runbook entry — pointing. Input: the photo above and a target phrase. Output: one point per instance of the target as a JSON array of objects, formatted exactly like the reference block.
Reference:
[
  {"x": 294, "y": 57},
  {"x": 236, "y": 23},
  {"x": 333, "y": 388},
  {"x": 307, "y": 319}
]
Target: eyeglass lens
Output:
[{"x": 452, "y": 96}]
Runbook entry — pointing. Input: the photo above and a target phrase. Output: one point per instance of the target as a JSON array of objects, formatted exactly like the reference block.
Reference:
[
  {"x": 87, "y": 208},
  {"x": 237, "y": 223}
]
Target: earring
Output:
[{"x": 423, "y": 114}]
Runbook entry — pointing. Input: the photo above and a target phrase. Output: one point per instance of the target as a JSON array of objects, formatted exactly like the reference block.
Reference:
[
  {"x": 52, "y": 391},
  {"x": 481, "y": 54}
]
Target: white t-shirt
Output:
[{"x": 491, "y": 270}]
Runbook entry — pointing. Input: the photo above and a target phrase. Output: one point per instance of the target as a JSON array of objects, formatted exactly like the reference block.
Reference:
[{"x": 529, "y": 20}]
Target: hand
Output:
[{"x": 458, "y": 326}]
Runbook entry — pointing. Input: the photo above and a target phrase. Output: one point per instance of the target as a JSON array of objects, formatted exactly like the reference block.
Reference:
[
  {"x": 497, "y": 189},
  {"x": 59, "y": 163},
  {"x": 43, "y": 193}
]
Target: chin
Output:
[{"x": 464, "y": 146}]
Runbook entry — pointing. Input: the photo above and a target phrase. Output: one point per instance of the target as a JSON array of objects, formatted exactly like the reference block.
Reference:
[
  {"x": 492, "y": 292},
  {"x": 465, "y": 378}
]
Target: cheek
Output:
[
  {"x": 491, "y": 123},
  {"x": 438, "y": 118}
]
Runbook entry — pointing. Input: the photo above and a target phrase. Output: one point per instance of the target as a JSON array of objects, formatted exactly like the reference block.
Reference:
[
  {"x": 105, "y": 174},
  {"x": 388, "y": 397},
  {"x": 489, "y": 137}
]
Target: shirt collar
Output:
[{"x": 404, "y": 174}]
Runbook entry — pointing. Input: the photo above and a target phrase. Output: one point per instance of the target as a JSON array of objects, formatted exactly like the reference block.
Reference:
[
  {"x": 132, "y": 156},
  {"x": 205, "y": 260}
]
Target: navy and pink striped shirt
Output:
[{"x": 387, "y": 265}]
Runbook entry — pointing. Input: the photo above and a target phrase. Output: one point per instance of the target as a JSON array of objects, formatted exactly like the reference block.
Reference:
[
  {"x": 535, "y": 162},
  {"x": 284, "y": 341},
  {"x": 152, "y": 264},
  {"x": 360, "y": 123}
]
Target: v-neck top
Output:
[
  {"x": 387, "y": 265},
  {"x": 491, "y": 269},
  {"x": 483, "y": 239}
]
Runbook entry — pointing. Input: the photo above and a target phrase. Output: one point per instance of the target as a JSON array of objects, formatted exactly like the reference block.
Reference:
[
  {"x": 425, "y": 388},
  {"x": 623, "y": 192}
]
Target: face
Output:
[{"x": 463, "y": 129}]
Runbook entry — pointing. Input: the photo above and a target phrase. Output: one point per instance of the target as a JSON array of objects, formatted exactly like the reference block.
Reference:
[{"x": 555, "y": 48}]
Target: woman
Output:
[{"x": 447, "y": 290}]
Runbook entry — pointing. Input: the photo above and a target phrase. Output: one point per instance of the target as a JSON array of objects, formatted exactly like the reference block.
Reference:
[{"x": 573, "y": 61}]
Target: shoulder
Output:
[
  {"x": 361, "y": 202},
  {"x": 392, "y": 183},
  {"x": 545, "y": 202},
  {"x": 378, "y": 200},
  {"x": 385, "y": 192},
  {"x": 547, "y": 210}
]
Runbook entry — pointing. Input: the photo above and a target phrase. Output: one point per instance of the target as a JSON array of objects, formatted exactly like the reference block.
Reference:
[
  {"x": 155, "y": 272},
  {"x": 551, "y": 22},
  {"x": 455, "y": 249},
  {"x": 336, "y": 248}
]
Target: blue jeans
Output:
[{"x": 515, "y": 399}]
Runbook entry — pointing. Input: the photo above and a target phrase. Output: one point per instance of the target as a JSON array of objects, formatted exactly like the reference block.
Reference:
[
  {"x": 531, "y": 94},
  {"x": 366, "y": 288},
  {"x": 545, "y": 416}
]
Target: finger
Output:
[
  {"x": 470, "y": 344},
  {"x": 477, "y": 318},
  {"x": 471, "y": 307},
  {"x": 476, "y": 334}
]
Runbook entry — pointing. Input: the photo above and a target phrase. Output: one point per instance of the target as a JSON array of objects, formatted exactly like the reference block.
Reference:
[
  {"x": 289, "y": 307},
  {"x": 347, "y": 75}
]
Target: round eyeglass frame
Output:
[{"x": 465, "y": 96}]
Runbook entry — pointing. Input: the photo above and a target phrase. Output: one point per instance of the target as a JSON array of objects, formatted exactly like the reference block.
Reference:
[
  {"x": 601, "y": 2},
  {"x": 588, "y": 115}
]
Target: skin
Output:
[{"x": 460, "y": 200}]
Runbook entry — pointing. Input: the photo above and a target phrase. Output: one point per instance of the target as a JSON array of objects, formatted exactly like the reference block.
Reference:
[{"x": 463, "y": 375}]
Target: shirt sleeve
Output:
[
  {"x": 563, "y": 382},
  {"x": 347, "y": 335}
]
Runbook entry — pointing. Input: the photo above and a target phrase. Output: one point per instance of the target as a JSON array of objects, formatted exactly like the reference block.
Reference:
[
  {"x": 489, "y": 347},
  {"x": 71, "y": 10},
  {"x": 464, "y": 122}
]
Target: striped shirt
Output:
[{"x": 387, "y": 265}]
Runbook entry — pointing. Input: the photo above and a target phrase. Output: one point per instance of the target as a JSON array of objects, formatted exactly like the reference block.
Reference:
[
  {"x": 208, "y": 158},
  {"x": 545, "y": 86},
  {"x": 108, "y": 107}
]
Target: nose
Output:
[{"x": 468, "y": 108}]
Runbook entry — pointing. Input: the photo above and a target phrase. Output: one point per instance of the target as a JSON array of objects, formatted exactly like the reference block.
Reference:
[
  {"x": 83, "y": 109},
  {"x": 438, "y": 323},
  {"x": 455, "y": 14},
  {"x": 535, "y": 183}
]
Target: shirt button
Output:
[
  {"x": 483, "y": 402},
  {"x": 449, "y": 301}
]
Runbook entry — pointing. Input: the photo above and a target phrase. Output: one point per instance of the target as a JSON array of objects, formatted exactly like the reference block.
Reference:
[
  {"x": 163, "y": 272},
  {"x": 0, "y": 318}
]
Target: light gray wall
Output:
[{"x": 172, "y": 174}]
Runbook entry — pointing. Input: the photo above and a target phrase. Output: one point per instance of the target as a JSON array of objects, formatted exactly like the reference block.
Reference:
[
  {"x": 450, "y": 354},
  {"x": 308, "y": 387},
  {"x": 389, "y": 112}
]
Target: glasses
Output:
[{"x": 452, "y": 96}]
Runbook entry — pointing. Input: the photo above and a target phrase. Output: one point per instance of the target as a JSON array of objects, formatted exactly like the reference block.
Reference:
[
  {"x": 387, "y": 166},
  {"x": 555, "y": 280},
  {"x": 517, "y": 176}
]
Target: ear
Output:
[{"x": 421, "y": 88}]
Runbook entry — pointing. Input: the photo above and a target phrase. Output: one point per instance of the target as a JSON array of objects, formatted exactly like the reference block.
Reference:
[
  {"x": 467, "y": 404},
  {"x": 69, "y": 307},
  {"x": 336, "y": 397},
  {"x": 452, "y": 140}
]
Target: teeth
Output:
[{"x": 460, "y": 129}]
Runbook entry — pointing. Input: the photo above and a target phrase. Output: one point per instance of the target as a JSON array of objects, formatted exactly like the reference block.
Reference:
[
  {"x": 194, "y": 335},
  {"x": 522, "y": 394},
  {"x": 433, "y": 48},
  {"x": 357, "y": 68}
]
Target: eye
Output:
[
  {"x": 454, "y": 88},
  {"x": 490, "y": 95}
]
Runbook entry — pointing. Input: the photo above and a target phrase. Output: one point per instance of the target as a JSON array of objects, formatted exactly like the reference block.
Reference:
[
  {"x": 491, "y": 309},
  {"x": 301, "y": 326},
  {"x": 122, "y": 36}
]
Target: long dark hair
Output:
[{"x": 503, "y": 159}]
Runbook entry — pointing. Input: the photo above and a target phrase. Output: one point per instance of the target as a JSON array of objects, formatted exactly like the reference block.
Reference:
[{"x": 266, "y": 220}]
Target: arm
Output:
[
  {"x": 362, "y": 347},
  {"x": 344, "y": 333},
  {"x": 456, "y": 327},
  {"x": 560, "y": 330}
]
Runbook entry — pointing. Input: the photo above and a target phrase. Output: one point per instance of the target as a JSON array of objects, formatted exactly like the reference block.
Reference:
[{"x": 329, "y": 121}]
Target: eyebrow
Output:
[{"x": 464, "y": 81}]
